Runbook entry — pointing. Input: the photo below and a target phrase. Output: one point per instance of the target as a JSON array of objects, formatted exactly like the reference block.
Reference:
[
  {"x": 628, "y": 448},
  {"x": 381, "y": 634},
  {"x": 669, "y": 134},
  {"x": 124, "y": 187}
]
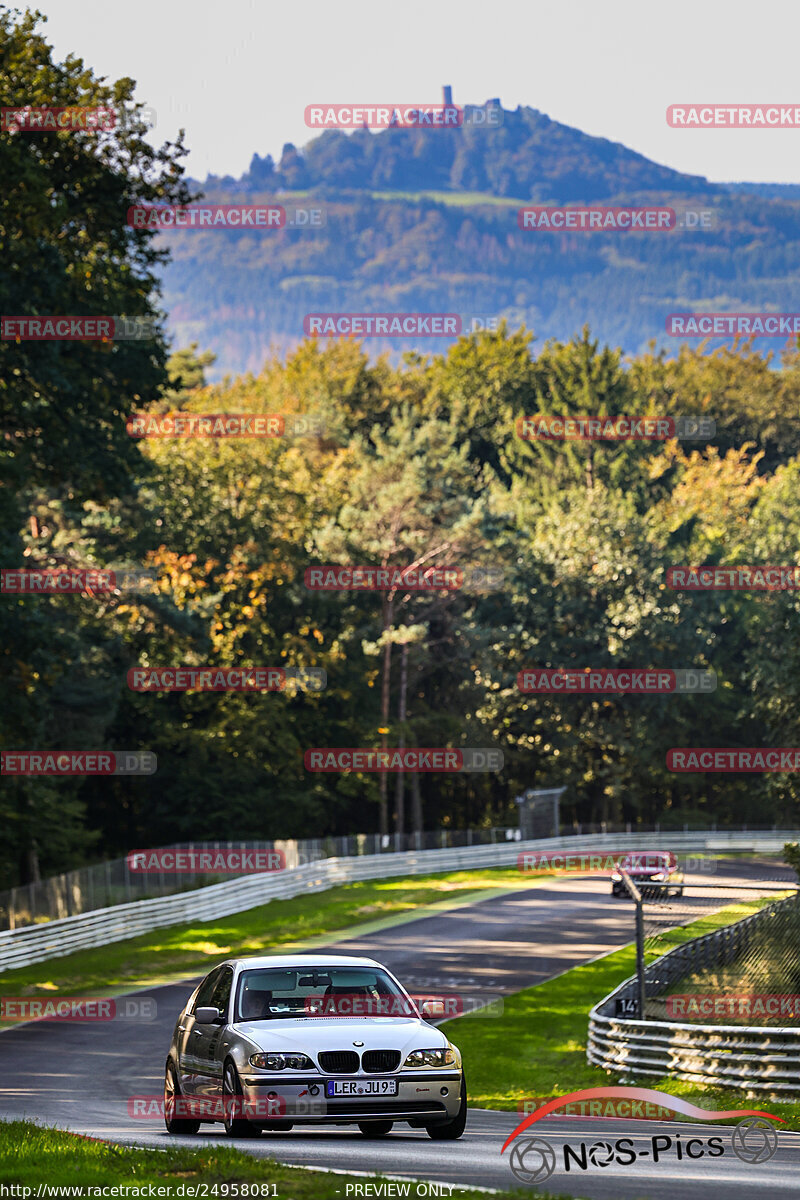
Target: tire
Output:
[
  {"x": 450, "y": 1130},
  {"x": 172, "y": 1089},
  {"x": 375, "y": 1129},
  {"x": 235, "y": 1127}
]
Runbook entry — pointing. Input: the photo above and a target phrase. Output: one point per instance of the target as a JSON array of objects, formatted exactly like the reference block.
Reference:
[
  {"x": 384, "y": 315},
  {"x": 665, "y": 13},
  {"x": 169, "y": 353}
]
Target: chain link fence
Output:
[
  {"x": 113, "y": 882},
  {"x": 740, "y": 965},
  {"x": 105, "y": 884},
  {"x": 717, "y": 1003}
]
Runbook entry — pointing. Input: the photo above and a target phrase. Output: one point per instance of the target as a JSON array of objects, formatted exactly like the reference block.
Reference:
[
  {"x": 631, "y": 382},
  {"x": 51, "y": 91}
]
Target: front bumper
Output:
[{"x": 420, "y": 1096}]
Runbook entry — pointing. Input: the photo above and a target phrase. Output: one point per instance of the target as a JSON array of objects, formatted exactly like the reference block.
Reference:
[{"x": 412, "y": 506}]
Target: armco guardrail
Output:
[
  {"x": 740, "y": 1056},
  {"x": 99, "y": 885},
  {"x": 37, "y": 943}
]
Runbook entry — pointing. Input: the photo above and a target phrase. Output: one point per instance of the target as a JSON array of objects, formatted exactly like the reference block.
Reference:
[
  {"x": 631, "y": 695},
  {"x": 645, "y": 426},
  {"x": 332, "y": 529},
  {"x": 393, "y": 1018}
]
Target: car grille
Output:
[
  {"x": 380, "y": 1060},
  {"x": 344, "y": 1061}
]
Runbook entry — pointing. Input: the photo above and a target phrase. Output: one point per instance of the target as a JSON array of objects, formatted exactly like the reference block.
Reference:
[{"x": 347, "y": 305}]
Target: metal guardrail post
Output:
[
  {"x": 637, "y": 899},
  {"x": 640, "y": 958}
]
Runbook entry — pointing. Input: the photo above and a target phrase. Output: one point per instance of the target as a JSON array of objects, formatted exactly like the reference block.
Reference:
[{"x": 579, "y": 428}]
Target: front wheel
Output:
[
  {"x": 236, "y": 1126},
  {"x": 450, "y": 1130},
  {"x": 375, "y": 1129},
  {"x": 172, "y": 1098}
]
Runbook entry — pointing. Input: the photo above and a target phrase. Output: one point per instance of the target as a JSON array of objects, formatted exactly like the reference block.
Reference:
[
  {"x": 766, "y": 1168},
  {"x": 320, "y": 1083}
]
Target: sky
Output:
[{"x": 238, "y": 74}]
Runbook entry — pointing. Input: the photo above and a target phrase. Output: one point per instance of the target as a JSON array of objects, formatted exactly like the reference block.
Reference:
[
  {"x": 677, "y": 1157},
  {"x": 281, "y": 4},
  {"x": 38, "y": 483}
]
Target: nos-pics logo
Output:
[{"x": 532, "y": 1160}]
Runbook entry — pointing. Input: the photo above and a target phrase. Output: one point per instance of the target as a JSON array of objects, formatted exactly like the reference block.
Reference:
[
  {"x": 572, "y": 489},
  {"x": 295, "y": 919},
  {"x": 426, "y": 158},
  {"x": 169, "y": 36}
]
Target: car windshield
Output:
[{"x": 271, "y": 993}]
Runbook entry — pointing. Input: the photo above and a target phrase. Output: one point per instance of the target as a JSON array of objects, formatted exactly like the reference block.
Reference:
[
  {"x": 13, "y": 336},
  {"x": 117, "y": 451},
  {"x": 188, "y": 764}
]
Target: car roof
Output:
[{"x": 305, "y": 960}]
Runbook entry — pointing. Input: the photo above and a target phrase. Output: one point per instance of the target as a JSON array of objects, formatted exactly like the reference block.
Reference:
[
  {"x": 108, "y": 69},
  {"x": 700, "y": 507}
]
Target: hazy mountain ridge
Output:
[{"x": 240, "y": 293}]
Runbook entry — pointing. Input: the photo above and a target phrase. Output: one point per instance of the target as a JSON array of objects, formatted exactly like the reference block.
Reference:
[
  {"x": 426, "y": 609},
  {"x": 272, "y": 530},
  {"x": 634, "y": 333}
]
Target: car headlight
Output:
[
  {"x": 660, "y": 877},
  {"x": 616, "y": 877},
  {"x": 279, "y": 1062},
  {"x": 430, "y": 1058}
]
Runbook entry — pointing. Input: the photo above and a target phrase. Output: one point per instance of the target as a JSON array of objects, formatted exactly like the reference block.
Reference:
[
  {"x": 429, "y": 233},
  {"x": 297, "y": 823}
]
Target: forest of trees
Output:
[
  {"x": 414, "y": 455},
  {"x": 240, "y": 296}
]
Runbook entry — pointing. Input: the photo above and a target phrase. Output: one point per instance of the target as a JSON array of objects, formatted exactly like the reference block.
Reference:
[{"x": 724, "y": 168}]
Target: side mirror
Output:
[
  {"x": 207, "y": 1016},
  {"x": 432, "y": 1008}
]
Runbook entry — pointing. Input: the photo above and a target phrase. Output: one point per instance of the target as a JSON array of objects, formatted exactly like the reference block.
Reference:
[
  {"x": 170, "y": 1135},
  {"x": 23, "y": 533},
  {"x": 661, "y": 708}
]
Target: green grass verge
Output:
[
  {"x": 179, "y": 951},
  {"x": 31, "y": 1155},
  {"x": 537, "y": 1048}
]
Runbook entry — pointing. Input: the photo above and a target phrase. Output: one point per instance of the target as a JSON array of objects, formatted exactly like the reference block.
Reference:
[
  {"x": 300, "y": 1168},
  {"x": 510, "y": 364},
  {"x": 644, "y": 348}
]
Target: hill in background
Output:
[{"x": 426, "y": 220}]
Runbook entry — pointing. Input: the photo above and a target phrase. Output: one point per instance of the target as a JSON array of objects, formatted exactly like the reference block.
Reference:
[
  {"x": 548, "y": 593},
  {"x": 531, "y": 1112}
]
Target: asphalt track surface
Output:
[{"x": 81, "y": 1076}]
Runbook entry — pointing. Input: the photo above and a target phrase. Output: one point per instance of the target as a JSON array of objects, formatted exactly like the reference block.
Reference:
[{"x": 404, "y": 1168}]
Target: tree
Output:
[
  {"x": 66, "y": 250},
  {"x": 410, "y": 503}
]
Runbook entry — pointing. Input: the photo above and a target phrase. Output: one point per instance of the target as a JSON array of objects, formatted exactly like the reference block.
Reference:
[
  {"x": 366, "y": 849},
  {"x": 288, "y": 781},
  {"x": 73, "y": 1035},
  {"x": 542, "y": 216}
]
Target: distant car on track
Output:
[
  {"x": 269, "y": 1043},
  {"x": 650, "y": 867}
]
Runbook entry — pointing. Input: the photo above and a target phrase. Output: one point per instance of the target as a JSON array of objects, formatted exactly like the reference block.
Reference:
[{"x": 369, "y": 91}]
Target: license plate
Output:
[{"x": 361, "y": 1087}]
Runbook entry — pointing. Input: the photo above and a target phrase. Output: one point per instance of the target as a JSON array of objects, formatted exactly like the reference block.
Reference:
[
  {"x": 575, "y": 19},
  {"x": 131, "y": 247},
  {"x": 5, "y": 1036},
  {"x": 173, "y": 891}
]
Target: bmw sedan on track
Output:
[
  {"x": 655, "y": 873},
  {"x": 273, "y": 1042}
]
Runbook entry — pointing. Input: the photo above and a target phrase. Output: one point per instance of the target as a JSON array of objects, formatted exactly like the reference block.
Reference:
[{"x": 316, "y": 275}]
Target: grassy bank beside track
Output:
[
  {"x": 537, "y": 1048},
  {"x": 31, "y": 1156},
  {"x": 180, "y": 951}
]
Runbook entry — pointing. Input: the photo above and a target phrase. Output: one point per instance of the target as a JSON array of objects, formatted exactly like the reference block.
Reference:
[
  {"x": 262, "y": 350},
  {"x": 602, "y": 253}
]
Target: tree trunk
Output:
[
  {"x": 416, "y": 809},
  {"x": 399, "y": 795},
  {"x": 385, "y": 693},
  {"x": 29, "y": 857}
]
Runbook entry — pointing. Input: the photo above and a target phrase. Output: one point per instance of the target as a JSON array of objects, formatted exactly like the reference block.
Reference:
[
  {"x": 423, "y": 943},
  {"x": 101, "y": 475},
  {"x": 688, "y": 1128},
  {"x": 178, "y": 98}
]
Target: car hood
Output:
[{"x": 312, "y": 1034}]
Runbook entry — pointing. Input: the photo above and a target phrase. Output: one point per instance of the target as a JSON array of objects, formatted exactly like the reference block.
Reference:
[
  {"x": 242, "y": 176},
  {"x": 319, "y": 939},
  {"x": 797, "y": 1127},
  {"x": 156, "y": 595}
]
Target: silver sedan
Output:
[{"x": 273, "y": 1042}]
